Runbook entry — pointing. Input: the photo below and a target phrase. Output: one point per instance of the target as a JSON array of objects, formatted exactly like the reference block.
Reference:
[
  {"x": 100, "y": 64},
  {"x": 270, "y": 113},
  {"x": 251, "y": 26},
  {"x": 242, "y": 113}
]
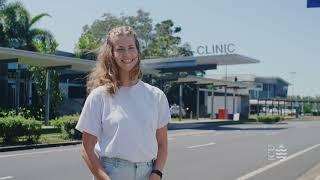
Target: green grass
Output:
[
  {"x": 52, "y": 138},
  {"x": 48, "y": 135},
  {"x": 183, "y": 119}
]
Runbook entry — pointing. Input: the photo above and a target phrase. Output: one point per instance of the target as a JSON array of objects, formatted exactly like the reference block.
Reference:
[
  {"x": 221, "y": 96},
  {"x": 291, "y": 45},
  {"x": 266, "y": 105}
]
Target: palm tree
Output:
[{"x": 18, "y": 31}]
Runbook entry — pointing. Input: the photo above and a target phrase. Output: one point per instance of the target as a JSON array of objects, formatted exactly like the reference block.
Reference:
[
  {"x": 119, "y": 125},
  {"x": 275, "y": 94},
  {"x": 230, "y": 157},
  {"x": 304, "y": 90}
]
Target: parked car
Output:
[{"x": 174, "y": 111}]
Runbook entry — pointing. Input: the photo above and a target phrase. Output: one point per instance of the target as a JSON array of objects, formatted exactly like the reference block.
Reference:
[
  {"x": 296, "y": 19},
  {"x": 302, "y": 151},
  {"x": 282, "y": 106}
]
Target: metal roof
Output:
[
  {"x": 197, "y": 62},
  {"x": 45, "y": 60},
  {"x": 149, "y": 66}
]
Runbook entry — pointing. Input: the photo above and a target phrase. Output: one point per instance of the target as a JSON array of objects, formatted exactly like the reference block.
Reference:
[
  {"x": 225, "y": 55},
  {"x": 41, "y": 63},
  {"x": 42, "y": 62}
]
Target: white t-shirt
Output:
[{"x": 125, "y": 124}]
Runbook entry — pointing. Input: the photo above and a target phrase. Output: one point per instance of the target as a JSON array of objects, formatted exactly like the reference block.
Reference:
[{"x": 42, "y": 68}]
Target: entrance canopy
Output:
[
  {"x": 196, "y": 62},
  {"x": 149, "y": 66},
  {"x": 44, "y": 60}
]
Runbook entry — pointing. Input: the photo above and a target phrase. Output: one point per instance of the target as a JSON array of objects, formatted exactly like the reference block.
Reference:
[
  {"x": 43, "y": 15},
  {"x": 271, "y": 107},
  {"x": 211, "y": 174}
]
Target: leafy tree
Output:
[
  {"x": 94, "y": 35},
  {"x": 164, "y": 43}
]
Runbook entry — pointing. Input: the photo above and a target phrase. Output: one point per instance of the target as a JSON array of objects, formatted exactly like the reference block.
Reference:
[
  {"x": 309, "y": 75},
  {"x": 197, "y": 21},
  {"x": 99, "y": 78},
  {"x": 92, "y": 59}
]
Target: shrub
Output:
[
  {"x": 24, "y": 111},
  {"x": 67, "y": 125},
  {"x": 6, "y": 113},
  {"x": 14, "y": 127},
  {"x": 268, "y": 119}
]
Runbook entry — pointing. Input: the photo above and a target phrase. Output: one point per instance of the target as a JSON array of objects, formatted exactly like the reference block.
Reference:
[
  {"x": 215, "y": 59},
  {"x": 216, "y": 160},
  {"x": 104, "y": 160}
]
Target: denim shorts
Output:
[{"x": 119, "y": 169}]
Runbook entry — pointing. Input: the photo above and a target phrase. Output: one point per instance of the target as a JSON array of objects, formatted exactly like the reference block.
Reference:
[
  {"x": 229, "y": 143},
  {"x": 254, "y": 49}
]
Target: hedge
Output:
[
  {"x": 14, "y": 127},
  {"x": 67, "y": 125},
  {"x": 268, "y": 119}
]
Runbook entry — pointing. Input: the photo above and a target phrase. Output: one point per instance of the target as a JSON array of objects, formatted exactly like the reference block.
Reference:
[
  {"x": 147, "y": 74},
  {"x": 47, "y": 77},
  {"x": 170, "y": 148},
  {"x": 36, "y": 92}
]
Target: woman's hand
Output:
[{"x": 91, "y": 159}]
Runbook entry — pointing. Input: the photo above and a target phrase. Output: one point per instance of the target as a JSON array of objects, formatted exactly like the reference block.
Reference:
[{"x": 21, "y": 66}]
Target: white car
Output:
[{"x": 174, "y": 111}]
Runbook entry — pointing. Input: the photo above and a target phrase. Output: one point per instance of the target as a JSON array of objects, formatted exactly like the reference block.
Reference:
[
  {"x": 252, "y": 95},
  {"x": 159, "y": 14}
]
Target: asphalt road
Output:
[{"x": 282, "y": 151}]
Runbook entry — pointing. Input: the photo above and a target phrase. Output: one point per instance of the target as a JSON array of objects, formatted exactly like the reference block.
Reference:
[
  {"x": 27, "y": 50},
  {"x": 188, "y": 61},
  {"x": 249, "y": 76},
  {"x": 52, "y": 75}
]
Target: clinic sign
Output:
[{"x": 216, "y": 49}]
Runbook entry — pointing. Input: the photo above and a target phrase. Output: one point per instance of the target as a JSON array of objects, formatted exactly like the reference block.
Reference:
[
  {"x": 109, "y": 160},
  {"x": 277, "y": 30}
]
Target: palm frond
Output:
[{"x": 37, "y": 18}]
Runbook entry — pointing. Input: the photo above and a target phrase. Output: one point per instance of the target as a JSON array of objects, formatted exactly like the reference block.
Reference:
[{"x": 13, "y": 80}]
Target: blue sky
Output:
[{"x": 284, "y": 35}]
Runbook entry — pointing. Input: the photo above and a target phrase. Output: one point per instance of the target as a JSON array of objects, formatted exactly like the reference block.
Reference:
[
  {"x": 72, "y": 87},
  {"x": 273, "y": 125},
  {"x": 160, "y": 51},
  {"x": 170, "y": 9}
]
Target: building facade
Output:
[{"x": 269, "y": 88}]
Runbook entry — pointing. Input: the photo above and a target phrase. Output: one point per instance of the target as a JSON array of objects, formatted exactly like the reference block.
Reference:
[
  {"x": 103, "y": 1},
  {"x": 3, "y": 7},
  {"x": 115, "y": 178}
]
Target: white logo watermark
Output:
[{"x": 277, "y": 153}]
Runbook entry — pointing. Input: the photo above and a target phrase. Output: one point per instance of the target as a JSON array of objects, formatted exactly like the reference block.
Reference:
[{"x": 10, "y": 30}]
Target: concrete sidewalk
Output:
[{"x": 312, "y": 174}]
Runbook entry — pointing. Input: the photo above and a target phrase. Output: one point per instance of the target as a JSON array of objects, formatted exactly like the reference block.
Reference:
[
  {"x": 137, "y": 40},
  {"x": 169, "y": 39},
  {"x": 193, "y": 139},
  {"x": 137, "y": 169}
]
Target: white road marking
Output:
[
  {"x": 258, "y": 171},
  {"x": 41, "y": 152},
  {"x": 189, "y": 133},
  {"x": 272, "y": 133},
  {"x": 220, "y": 133},
  {"x": 202, "y": 145},
  {"x": 200, "y": 135},
  {"x": 7, "y": 177}
]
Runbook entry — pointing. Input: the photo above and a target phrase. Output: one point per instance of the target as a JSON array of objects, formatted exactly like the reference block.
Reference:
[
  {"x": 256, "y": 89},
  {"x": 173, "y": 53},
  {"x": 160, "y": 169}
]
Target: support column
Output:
[
  {"x": 17, "y": 92},
  {"x": 198, "y": 102},
  {"x": 302, "y": 108},
  {"x": 278, "y": 107},
  {"x": 272, "y": 107},
  {"x": 30, "y": 91},
  {"x": 234, "y": 101},
  {"x": 47, "y": 100},
  {"x": 281, "y": 112},
  {"x": 180, "y": 102},
  {"x": 212, "y": 104},
  {"x": 291, "y": 108},
  {"x": 265, "y": 107},
  {"x": 225, "y": 103},
  {"x": 258, "y": 107}
]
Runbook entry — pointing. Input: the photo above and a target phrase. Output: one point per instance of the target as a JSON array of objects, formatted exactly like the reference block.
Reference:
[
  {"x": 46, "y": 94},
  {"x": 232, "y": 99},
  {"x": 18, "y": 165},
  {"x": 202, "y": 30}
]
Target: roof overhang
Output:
[
  {"x": 44, "y": 60},
  {"x": 9, "y": 55},
  {"x": 196, "y": 62},
  {"x": 149, "y": 66}
]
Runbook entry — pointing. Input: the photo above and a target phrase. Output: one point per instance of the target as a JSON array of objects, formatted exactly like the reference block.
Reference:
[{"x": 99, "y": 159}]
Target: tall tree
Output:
[
  {"x": 94, "y": 35},
  {"x": 19, "y": 31},
  {"x": 159, "y": 41},
  {"x": 164, "y": 43},
  {"x": 142, "y": 23}
]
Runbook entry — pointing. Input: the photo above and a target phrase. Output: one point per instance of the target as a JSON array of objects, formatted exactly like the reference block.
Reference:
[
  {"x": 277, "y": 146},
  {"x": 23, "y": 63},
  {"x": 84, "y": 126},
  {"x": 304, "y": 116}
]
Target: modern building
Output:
[
  {"x": 269, "y": 88},
  {"x": 14, "y": 81},
  {"x": 261, "y": 87},
  {"x": 220, "y": 95}
]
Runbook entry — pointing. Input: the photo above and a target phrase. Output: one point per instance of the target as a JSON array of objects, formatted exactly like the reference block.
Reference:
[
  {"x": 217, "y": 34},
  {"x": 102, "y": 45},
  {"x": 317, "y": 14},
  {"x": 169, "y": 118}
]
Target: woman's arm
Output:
[
  {"x": 162, "y": 140},
  {"x": 89, "y": 156}
]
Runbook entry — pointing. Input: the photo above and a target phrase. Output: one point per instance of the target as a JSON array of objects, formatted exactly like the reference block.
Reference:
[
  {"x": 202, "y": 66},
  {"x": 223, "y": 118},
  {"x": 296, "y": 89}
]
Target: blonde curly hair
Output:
[{"x": 106, "y": 70}]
